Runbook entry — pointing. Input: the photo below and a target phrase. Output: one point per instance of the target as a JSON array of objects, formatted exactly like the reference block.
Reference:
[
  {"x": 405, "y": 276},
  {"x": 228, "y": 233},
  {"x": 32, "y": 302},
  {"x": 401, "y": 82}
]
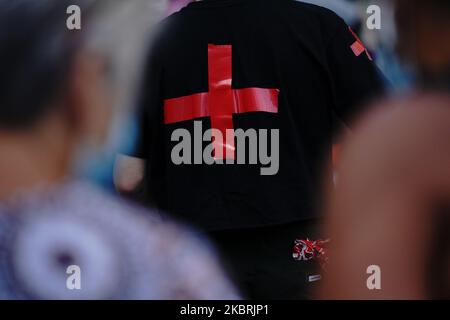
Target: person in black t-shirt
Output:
[{"x": 273, "y": 75}]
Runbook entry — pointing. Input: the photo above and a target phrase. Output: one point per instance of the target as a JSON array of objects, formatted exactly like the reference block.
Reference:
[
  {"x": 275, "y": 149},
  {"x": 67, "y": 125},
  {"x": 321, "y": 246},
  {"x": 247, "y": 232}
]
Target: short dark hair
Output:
[{"x": 36, "y": 52}]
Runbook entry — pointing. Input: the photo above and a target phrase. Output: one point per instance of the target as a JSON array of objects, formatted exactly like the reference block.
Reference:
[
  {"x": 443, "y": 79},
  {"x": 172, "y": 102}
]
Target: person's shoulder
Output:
[
  {"x": 321, "y": 23},
  {"x": 167, "y": 31},
  {"x": 313, "y": 8},
  {"x": 153, "y": 226},
  {"x": 181, "y": 16},
  {"x": 324, "y": 15}
]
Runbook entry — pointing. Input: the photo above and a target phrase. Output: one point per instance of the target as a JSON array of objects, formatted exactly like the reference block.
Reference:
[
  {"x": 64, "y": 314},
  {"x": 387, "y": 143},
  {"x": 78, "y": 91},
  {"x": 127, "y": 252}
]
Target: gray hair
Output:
[{"x": 121, "y": 31}]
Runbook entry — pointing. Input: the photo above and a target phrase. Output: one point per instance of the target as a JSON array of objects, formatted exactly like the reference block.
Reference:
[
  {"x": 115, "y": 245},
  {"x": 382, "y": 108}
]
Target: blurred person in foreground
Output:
[
  {"x": 61, "y": 93},
  {"x": 391, "y": 207},
  {"x": 252, "y": 66}
]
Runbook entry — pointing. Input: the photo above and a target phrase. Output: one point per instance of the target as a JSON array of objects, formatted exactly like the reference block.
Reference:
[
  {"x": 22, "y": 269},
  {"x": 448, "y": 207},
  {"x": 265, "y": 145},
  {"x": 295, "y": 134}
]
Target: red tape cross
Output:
[{"x": 222, "y": 101}]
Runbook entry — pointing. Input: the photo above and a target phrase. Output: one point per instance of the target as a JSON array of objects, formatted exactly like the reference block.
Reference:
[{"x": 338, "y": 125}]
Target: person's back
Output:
[
  {"x": 244, "y": 64},
  {"x": 268, "y": 77}
]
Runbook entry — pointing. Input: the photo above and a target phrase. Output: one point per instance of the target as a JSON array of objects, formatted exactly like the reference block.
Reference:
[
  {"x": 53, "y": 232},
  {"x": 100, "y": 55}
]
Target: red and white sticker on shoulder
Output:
[{"x": 358, "y": 46}]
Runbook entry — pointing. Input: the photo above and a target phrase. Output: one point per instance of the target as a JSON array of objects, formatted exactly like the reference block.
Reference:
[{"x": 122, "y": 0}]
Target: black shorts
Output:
[{"x": 261, "y": 263}]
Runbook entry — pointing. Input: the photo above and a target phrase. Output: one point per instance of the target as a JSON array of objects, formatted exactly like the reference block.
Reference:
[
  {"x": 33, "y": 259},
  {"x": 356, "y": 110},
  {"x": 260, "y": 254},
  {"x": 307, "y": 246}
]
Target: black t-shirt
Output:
[{"x": 272, "y": 64}]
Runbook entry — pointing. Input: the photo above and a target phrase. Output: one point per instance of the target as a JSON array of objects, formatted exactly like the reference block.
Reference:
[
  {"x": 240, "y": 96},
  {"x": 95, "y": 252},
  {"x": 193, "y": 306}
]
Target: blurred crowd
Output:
[{"x": 69, "y": 106}]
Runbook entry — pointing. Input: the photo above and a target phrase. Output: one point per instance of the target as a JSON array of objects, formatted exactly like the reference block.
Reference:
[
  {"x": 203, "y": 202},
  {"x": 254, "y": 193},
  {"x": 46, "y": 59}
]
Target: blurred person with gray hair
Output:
[{"x": 63, "y": 95}]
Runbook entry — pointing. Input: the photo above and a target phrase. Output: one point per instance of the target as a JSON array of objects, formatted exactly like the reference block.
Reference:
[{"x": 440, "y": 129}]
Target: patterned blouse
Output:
[{"x": 76, "y": 242}]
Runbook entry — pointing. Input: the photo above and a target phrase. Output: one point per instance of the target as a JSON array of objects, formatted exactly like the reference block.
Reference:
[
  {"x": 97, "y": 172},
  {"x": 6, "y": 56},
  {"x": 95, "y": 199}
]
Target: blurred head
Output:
[
  {"x": 62, "y": 91},
  {"x": 424, "y": 26}
]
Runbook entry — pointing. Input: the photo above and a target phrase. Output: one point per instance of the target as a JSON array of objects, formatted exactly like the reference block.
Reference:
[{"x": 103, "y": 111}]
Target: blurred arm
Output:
[{"x": 128, "y": 173}]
